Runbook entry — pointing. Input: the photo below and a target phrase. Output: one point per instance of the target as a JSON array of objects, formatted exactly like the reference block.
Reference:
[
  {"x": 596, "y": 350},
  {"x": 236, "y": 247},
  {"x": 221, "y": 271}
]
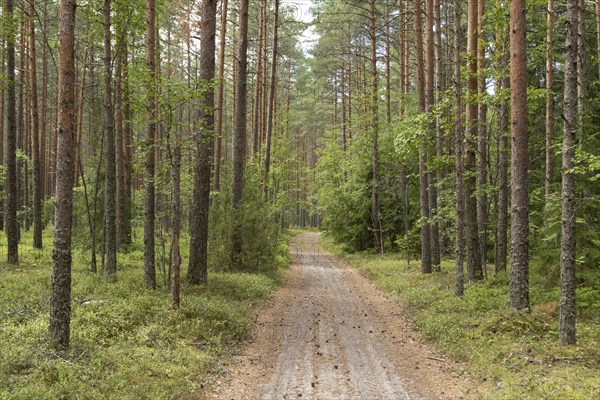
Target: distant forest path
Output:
[{"x": 328, "y": 333}]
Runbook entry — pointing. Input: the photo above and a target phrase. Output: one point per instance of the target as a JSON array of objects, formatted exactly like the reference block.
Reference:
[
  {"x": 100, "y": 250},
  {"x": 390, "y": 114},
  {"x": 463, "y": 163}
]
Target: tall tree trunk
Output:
[
  {"x": 403, "y": 49},
  {"x": 239, "y": 137},
  {"x": 568, "y": 308},
  {"x": 258, "y": 87},
  {"x": 471, "y": 230},
  {"x": 121, "y": 195},
  {"x": 429, "y": 102},
  {"x": 272, "y": 95},
  {"x": 198, "y": 261},
  {"x": 35, "y": 134},
  {"x": 519, "y": 224},
  {"x": 439, "y": 134},
  {"x": 549, "y": 103},
  {"x": 110, "y": 244},
  {"x": 482, "y": 140},
  {"x": 60, "y": 300},
  {"x": 219, "y": 116},
  {"x": 388, "y": 75},
  {"x": 503, "y": 151},
  {"x": 581, "y": 65},
  {"x": 375, "y": 207},
  {"x": 127, "y": 142},
  {"x": 426, "y": 266},
  {"x": 2, "y": 116},
  {"x": 12, "y": 224},
  {"x": 459, "y": 282},
  {"x": 175, "y": 224},
  {"x": 149, "y": 169}
]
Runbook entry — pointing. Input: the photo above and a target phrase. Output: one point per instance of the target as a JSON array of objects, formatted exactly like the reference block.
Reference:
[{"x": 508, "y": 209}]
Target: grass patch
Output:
[
  {"x": 126, "y": 342},
  {"x": 508, "y": 355}
]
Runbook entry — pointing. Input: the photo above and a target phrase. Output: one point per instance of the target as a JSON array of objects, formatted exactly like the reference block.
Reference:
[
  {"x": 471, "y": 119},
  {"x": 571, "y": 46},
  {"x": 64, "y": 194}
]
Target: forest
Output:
[{"x": 166, "y": 166}]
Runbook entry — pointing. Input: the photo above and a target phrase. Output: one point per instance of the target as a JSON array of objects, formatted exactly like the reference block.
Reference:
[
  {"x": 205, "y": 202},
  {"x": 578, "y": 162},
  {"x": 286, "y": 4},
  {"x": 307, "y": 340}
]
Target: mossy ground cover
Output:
[
  {"x": 507, "y": 355},
  {"x": 127, "y": 342}
]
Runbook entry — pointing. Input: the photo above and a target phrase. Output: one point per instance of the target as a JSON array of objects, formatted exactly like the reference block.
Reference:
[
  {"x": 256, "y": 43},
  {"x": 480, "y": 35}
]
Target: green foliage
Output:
[
  {"x": 126, "y": 341},
  {"x": 508, "y": 355}
]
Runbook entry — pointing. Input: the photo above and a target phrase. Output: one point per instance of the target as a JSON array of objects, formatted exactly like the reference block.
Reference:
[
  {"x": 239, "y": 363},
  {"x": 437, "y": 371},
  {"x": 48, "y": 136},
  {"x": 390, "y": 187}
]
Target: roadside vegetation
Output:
[
  {"x": 127, "y": 341},
  {"x": 508, "y": 355}
]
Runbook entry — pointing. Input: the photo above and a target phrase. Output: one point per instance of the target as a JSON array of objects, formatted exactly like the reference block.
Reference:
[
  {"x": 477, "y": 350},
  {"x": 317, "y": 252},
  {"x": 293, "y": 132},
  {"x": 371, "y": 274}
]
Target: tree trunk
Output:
[
  {"x": 121, "y": 199},
  {"x": 272, "y": 94},
  {"x": 375, "y": 208},
  {"x": 519, "y": 224},
  {"x": 110, "y": 244},
  {"x": 198, "y": 267},
  {"x": 429, "y": 102},
  {"x": 219, "y": 117},
  {"x": 403, "y": 49},
  {"x": 12, "y": 224},
  {"x": 35, "y": 134},
  {"x": 459, "y": 284},
  {"x": 503, "y": 150},
  {"x": 426, "y": 266},
  {"x": 60, "y": 300},
  {"x": 258, "y": 87},
  {"x": 149, "y": 189},
  {"x": 482, "y": 141},
  {"x": 388, "y": 75},
  {"x": 568, "y": 309},
  {"x": 471, "y": 229},
  {"x": 175, "y": 225},
  {"x": 549, "y": 103},
  {"x": 237, "y": 183}
]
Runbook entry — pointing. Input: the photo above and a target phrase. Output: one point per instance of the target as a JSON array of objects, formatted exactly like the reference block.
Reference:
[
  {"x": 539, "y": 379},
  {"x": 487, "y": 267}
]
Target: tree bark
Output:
[
  {"x": 219, "y": 116},
  {"x": 471, "y": 229},
  {"x": 503, "y": 151},
  {"x": 375, "y": 207},
  {"x": 272, "y": 95},
  {"x": 519, "y": 226},
  {"x": 549, "y": 103},
  {"x": 198, "y": 267},
  {"x": 35, "y": 134},
  {"x": 149, "y": 168},
  {"x": 429, "y": 103},
  {"x": 60, "y": 300},
  {"x": 12, "y": 224},
  {"x": 109, "y": 134},
  {"x": 426, "y": 266},
  {"x": 482, "y": 141},
  {"x": 175, "y": 224},
  {"x": 568, "y": 308},
  {"x": 459, "y": 280},
  {"x": 237, "y": 183}
]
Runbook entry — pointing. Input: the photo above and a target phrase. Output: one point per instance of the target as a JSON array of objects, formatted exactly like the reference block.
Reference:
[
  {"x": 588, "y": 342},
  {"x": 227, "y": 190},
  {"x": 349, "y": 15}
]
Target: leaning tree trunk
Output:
[
  {"x": 568, "y": 309},
  {"x": 519, "y": 224},
  {"x": 149, "y": 168},
  {"x": 237, "y": 183},
  {"x": 60, "y": 300},
  {"x": 198, "y": 267},
  {"x": 12, "y": 224}
]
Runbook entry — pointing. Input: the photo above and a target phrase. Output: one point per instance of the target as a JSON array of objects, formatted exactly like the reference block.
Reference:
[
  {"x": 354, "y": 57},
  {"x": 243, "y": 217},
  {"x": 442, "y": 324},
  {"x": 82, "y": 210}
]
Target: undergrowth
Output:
[
  {"x": 508, "y": 355},
  {"x": 126, "y": 342}
]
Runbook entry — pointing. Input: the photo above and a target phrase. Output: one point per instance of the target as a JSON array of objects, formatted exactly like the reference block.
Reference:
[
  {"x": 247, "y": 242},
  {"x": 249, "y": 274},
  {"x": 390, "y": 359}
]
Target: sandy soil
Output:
[{"x": 328, "y": 333}]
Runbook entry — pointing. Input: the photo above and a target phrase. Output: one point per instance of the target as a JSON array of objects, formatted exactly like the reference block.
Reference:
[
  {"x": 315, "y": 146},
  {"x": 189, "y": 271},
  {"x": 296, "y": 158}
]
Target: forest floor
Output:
[{"x": 329, "y": 333}]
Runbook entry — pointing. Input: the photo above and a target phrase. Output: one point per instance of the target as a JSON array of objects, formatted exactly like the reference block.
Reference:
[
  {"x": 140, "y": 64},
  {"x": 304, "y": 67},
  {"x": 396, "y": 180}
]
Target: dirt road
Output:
[{"x": 329, "y": 334}]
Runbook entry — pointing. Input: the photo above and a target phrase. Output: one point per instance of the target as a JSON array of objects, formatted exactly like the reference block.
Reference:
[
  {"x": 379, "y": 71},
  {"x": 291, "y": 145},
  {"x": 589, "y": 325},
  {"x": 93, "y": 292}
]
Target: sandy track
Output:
[{"x": 329, "y": 334}]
